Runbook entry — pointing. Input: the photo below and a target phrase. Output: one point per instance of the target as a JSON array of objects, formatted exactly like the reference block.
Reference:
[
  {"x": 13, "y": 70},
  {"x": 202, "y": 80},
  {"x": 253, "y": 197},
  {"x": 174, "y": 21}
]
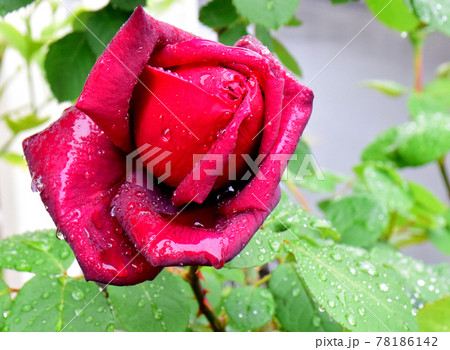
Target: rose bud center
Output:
[{"x": 179, "y": 114}]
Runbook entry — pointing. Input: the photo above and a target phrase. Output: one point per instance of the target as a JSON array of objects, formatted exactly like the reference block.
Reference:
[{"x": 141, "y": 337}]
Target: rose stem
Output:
[
  {"x": 441, "y": 163},
  {"x": 295, "y": 191},
  {"x": 199, "y": 292},
  {"x": 417, "y": 41}
]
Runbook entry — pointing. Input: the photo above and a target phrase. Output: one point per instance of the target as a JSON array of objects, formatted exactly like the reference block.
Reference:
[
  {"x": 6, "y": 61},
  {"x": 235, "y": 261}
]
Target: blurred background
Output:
[{"x": 337, "y": 48}]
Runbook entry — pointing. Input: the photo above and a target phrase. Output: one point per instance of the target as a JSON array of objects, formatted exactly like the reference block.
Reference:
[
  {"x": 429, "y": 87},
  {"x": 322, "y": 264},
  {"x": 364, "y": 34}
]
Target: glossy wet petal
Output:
[
  {"x": 197, "y": 235},
  {"x": 295, "y": 113},
  {"x": 107, "y": 93},
  {"x": 77, "y": 171}
]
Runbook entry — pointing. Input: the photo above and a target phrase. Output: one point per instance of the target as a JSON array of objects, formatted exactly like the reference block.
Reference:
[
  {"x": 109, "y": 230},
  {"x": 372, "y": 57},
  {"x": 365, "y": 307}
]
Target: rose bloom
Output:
[{"x": 157, "y": 90}]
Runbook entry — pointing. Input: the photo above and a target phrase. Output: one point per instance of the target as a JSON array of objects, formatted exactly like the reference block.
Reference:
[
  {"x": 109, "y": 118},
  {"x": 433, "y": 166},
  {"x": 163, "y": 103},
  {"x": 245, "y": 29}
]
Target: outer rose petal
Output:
[
  {"x": 107, "y": 92},
  {"x": 78, "y": 170},
  {"x": 166, "y": 239},
  {"x": 295, "y": 113}
]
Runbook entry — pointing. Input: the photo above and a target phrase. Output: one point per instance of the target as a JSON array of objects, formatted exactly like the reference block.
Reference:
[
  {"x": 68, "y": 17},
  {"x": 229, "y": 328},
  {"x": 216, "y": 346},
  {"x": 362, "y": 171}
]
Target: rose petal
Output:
[
  {"x": 213, "y": 171},
  {"x": 107, "y": 92},
  {"x": 77, "y": 170},
  {"x": 189, "y": 127},
  {"x": 270, "y": 75},
  {"x": 194, "y": 236},
  {"x": 296, "y": 110}
]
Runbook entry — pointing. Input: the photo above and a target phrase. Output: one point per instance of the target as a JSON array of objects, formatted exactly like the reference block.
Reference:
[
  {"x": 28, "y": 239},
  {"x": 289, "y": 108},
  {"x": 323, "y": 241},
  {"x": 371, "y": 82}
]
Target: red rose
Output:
[{"x": 156, "y": 89}]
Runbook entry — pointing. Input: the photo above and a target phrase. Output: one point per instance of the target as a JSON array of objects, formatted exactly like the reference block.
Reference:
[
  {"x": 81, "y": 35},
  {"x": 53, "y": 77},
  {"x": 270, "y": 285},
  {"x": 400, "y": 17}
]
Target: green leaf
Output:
[
  {"x": 128, "y": 5},
  {"x": 49, "y": 304},
  {"x": 423, "y": 283},
  {"x": 426, "y": 200},
  {"x": 249, "y": 308},
  {"x": 293, "y": 22},
  {"x": 67, "y": 65},
  {"x": 295, "y": 308},
  {"x": 286, "y": 58},
  {"x": 262, "y": 248},
  {"x": 296, "y": 222},
  {"x": 433, "y": 99},
  {"x": 5, "y": 301},
  {"x": 395, "y": 14},
  {"x": 225, "y": 274},
  {"x": 360, "y": 219},
  {"x": 163, "y": 304},
  {"x": 295, "y": 164},
  {"x": 327, "y": 184},
  {"x": 218, "y": 13},
  {"x": 269, "y": 13},
  {"x": 233, "y": 33},
  {"x": 435, "y": 316},
  {"x": 26, "y": 47},
  {"x": 213, "y": 284},
  {"x": 14, "y": 159},
  {"x": 443, "y": 71},
  {"x": 39, "y": 252},
  {"x": 383, "y": 148},
  {"x": 263, "y": 34},
  {"x": 424, "y": 140},
  {"x": 7, "y": 6},
  {"x": 356, "y": 293},
  {"x": 104, "y": 24},
  {"x": 387, "y": 185},
  {"x": 436, "y": 13},
  {"x": 25, "y": 123},
  {"x": 440, "y": 236},
  {"x": 387, "y": 87}
]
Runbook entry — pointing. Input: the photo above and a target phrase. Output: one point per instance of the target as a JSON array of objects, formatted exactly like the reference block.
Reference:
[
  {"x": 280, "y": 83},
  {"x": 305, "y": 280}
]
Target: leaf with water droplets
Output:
[
  {"x": 38, "y": 252},
  {"x": 295, "y": 308},
  {"x": 361, "y": 219},
  {"x": 435, "y": 13},
  {"x": 50, "y": 304},
  {"x": 435, "y": 316},
  {"x": 423, "y": 283},
  {"x": 386, "y": 184},
  {"x": 5, "y": 301},
  {"x": 358, "y": 294},
  {"x": 249, "y": 308},
  {"x": 262, "y": 248},
  {"x": 162, "y": 305},
  {"x": 217, "y": 283}
]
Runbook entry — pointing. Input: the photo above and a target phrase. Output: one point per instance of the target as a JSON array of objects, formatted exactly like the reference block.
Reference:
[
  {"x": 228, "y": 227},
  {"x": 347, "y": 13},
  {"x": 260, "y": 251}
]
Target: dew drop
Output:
[
  {"x": 165, "y": 136},
  {"x": 383, "y": 287},
  {"x": 78, "y": 294},
  {"x": 351, "y": 320}
]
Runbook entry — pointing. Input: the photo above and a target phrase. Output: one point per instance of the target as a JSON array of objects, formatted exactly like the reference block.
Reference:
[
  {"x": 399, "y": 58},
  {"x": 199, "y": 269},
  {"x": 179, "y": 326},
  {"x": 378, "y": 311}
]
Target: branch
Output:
[
  {"x": 199, "y": 293},
  {"x": 441, "y": 163}
]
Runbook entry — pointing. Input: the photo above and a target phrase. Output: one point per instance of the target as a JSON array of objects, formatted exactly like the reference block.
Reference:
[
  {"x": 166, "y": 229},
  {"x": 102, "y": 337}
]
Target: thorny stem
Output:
[
  {"x": 441, "y": 163},
  {"x": 199, "y": 293}
]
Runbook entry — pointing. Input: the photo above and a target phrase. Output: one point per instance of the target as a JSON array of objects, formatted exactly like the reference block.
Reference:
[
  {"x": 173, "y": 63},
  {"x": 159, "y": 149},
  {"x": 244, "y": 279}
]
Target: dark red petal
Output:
[
  {"x": 77, "y": 171},
  {"x": 196, "y": 236},
  {"x": 296, "y": 110},
  {"x": 270, "y": 74},
  {"x": 107, "y": 92},
  {"x": 237, "y": 138},
  {"x": 191, "y": 110}
]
